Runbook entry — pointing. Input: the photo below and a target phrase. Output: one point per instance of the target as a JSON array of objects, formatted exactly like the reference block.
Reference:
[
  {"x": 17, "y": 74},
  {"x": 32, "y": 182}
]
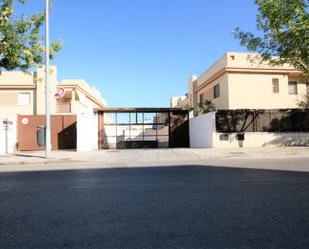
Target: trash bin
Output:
[
  {"x": 41, "y": 135},
  {"x": 240, "y": 136}
]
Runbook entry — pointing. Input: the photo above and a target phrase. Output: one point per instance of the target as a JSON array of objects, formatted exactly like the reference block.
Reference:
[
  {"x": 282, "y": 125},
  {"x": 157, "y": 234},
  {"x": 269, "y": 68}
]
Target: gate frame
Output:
[{"x": 169, "y": 111}]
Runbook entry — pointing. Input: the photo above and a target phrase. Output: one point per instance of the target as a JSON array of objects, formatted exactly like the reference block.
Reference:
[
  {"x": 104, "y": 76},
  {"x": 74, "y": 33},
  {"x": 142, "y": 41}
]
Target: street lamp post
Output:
[{"x": 47, "y": 87}]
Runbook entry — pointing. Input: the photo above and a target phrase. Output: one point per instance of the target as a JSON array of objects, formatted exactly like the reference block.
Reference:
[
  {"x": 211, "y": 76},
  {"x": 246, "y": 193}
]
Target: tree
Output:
[
  {"x": 187, "y": 107},
  {"x": 20, "y": 39},
  {"x": 304, "y": 103},
  {"x": 284, "y": 25},
  {"x": 204, "y": 108}
]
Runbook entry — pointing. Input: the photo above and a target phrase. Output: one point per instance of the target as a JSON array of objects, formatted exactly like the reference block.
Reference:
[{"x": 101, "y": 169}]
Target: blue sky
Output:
[{"x": 139, "y": 53}]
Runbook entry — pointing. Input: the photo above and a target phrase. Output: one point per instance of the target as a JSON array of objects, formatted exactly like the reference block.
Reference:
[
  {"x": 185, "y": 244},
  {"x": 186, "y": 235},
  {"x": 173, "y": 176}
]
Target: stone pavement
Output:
[{"x": 131, "y": 156}]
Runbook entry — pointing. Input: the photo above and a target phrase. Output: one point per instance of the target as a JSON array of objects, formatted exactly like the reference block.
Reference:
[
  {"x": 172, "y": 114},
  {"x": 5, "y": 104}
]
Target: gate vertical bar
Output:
[
  {"x": 169, "y": 130},
  {"x": 100, "y": 131}
]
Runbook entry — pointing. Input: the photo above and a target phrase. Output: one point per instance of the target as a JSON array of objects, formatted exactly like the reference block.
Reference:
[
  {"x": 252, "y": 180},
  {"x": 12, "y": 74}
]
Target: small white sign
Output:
[{"x": 25, "y": 121}]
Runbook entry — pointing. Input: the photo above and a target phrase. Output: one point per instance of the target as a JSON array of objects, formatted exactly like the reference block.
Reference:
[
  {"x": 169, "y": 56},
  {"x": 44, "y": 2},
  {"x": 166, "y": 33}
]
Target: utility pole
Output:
[{"x": 47, "y": 87}]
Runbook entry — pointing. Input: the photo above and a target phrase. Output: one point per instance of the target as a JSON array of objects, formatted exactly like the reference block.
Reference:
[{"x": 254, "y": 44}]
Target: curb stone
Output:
[{"x": 55, "y": 161}]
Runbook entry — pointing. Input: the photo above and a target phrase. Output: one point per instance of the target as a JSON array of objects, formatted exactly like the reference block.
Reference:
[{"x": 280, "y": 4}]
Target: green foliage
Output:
[
  {"x": 187, "y": 107},
  {"x": 304, "y": 103},
  {"x": 20, "y": 40},
  {"x": 204, "y": 108},
  {"x": 284, "y": 25}
]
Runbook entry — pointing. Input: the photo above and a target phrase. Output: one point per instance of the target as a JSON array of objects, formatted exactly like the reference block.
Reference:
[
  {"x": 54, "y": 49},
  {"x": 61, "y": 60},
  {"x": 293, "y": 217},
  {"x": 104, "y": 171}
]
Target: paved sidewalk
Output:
[{"x": 153, "y": 155}]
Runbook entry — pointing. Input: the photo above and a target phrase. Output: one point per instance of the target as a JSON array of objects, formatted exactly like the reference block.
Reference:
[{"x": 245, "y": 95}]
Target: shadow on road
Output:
[{"x": 155, "y": 207}]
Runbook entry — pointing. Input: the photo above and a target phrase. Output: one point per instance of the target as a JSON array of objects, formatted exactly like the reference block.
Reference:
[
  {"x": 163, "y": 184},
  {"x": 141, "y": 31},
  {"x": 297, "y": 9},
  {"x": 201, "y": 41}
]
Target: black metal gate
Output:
[{"x": 122, "y": 128}]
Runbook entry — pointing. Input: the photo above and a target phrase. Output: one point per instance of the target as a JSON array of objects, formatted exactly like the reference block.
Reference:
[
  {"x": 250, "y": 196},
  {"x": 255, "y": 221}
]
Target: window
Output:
[
  {"x": 202, "y": 101},
  {"x": 217, "y": 91},
  {"x": 292, "y": 87},
  {"x": 63, "y": 107},
  {"x": 275, "y": 85},
  {"x": 23, "y": 99}
]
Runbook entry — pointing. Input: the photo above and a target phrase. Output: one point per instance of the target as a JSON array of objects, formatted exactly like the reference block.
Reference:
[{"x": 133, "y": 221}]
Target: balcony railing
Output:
[{"x": 63, "y": 107}]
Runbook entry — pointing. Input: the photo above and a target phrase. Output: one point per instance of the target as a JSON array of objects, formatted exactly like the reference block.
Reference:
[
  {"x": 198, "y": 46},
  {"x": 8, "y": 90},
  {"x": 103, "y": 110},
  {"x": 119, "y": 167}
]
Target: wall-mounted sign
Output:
[
  {"x": 7, "y": 122},
  {"x": 60, "y": 93},
  {"x": 25, "y": 121}
]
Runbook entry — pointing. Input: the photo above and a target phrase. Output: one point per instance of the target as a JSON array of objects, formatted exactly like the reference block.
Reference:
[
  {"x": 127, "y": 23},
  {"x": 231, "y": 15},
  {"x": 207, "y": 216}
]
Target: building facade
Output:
[
  {"x": 24, "y": 94},
  {"x": 242, "y": 81},
  {"x": 74, "y": 125},
  {"x": 179, "y": 101}
]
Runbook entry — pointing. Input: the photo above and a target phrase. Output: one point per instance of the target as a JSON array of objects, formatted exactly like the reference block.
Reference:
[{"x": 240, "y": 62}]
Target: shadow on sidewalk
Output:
[{"x": 27, "y": 155}]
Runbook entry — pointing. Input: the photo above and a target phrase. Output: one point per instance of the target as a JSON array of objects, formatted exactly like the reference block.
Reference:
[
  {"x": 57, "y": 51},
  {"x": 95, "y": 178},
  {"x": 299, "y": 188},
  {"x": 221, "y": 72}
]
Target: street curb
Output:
[
  {"x": 45, "y": 162},
  {"x": 84, "y": 165}
]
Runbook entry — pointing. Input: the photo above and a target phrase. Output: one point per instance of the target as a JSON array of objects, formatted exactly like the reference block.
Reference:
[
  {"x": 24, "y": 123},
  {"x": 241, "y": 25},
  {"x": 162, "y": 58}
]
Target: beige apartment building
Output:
[
  {"x": 24, "y": 93},
  {"x": 179, "y": 101},
  {"x": 74, "y": 124},
  {"x": 242, "y": 81}
]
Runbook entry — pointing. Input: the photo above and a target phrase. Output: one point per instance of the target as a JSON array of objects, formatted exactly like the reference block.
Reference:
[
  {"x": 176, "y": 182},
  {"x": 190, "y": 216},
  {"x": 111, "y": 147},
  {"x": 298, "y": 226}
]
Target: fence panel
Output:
[{"x": 285, "y": 120}]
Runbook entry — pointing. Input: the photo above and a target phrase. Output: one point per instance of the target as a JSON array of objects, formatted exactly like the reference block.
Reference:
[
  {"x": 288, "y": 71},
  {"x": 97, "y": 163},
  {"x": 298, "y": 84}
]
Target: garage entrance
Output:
[{"x": 122, "y": 128}]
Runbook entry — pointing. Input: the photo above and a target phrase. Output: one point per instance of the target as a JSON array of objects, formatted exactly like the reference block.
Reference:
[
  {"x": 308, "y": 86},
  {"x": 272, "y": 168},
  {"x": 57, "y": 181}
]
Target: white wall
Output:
[
  {"x": 203, "y": 135},
  {"x": 262, "y": 139},
  {"x": 87, "y": 132},
  {"x": 201, "y": 129},
  {"x": 12, "y": 139}
]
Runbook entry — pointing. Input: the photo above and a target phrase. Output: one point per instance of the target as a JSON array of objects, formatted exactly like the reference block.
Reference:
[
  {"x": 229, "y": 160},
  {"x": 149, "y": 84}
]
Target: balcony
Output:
[{"x": 63, "y": 107}]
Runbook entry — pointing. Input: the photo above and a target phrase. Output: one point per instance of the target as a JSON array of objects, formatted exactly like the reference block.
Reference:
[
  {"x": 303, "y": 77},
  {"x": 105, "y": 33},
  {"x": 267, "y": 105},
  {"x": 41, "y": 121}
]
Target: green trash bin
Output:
[{"x": 41, "y": 135}]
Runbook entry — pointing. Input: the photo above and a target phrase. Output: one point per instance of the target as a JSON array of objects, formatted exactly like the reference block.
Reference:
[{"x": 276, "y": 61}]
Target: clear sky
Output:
[{"x": 139, "y": 53}]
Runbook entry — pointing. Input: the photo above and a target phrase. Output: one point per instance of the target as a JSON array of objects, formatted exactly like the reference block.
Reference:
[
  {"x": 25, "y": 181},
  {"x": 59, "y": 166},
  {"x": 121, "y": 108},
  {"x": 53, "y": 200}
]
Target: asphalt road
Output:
[{"x": 158, "y": 207}]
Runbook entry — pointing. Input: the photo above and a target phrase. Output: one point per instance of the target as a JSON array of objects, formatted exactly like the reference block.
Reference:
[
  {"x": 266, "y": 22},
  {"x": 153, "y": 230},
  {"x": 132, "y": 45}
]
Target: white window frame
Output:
[
  {"x": 294, "y": 82},
  {"x": 22, "y": 100},
  {"x": 275, "y": 85},
  {"x": 201, "y": 98},
  {"x": 214, "y": 89}
]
